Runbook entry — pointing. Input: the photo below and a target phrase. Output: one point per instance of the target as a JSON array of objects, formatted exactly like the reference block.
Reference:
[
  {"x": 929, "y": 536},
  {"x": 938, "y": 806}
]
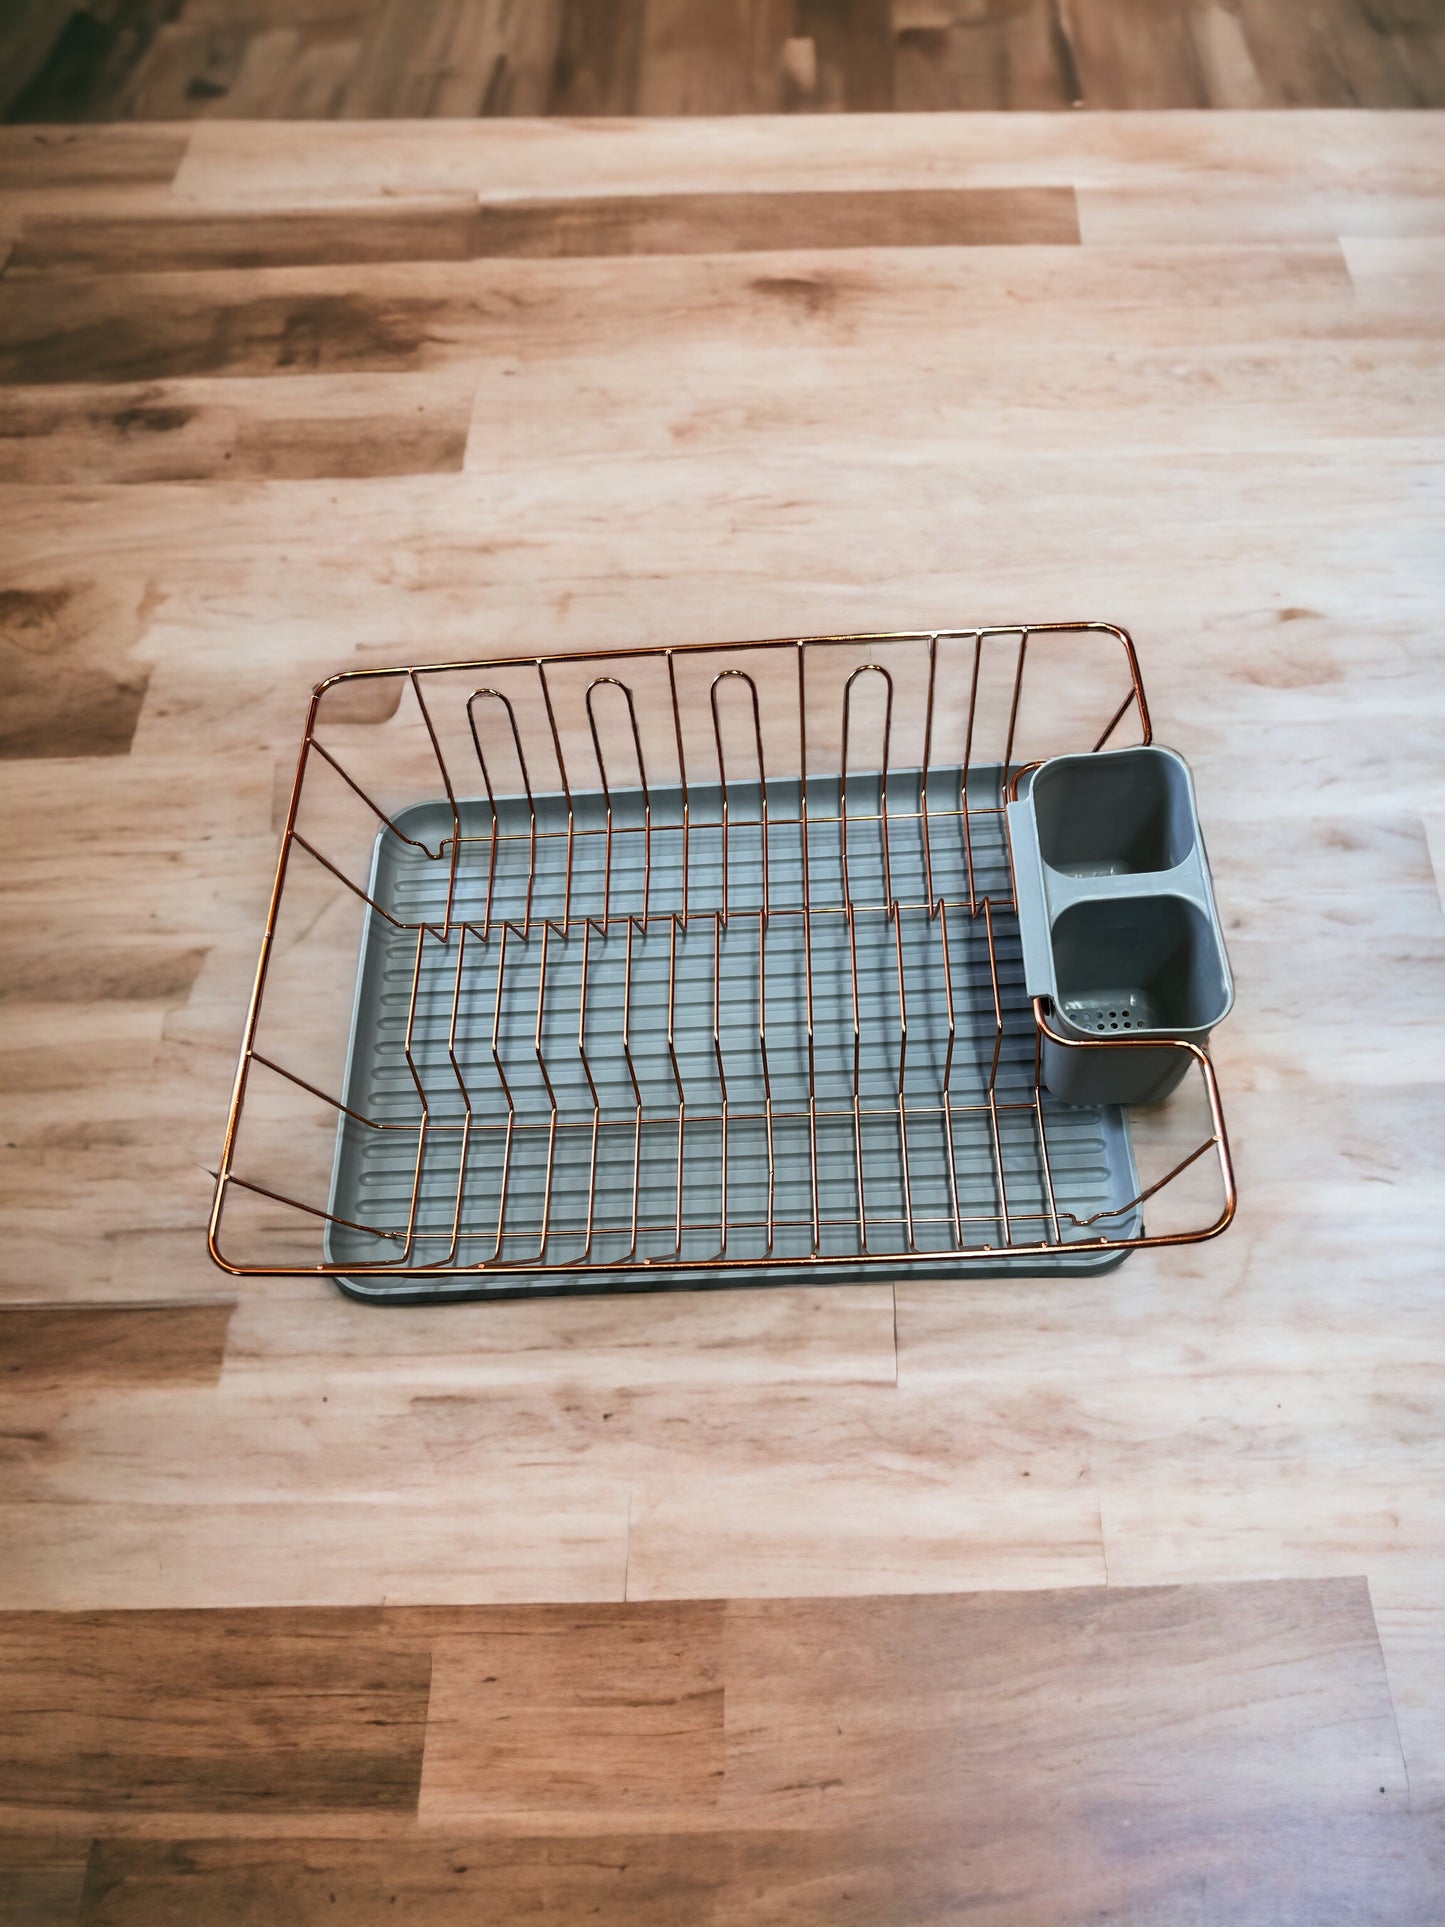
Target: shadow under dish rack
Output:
[{"x": 687, "y": 966}]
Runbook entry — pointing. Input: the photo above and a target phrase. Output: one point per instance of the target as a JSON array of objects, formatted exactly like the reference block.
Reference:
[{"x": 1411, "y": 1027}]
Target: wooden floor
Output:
[
  {"x": 278, "y": 401},
  {"x": 1156, "y": 1755},
  {"x": 77, "y": 60}
]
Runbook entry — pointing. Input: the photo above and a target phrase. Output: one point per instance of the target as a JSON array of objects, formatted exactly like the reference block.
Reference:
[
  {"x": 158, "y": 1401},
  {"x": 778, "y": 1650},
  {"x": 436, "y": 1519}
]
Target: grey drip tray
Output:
[{"x": 1117, "y": 920}]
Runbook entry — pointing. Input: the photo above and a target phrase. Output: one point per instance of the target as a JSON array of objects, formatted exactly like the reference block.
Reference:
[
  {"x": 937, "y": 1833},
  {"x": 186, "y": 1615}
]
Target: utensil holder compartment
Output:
[{"x": 1118, "y": 922}]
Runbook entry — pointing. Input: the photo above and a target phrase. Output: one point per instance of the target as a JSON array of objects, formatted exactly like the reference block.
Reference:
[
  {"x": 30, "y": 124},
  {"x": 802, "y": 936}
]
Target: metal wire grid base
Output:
[{"x": 642, "y": 1034}]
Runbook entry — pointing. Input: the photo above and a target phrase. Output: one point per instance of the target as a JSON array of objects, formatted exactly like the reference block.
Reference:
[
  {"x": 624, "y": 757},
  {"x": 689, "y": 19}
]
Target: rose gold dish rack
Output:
[{"x": 685, "y": 966}]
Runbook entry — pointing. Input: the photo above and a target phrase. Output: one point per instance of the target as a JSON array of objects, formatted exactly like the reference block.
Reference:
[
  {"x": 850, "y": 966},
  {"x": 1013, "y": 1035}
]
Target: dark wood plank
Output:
[
  {"x": 612, "y": 225},
  {"x": 123, "y": 328},
  {"x": 219, "y": 1712},
  {"x": 51, "y": 1346},
  {"x": 725, "y": 58},
  {"x": 285, "y": 237},
  {"x": 106, "y": 967},
  {"x": 1222, "y": 1755},
  {"x": 208, "y": 431},
  {"x": 598, "y": 61},
  {"x": 557, "y": 1709},
  {"x": 29, "y": 30},
  {"x": 1127, "y": 51},
  {"x": 991, "y": 57},
  {"x": 854, "y": 51},
  {"x": 1265, "y": 1872},
  {"x": 456, "y": 1881},
  {"x": 741, "y": 223},
  {"x": 467, "y": 58},
  {"x": 66, "y": 686},
  {"x": 1070, "y": 1756},
  {"x": 41, "y": 1876},
  {"x": 1348, "y": 56},
  {"x": 88, "y": 67},
  {"x": 88, "y": 157}
]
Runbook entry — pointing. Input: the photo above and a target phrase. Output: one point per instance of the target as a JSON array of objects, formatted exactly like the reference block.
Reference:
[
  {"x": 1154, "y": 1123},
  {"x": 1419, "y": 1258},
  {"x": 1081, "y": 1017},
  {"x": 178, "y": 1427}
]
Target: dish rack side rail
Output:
[{"x": 652, "y": 801}]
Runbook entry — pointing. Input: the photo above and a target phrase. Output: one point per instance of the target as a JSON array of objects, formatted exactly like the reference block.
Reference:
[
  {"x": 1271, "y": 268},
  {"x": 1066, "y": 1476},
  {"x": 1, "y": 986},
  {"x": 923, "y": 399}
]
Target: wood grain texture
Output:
[
  {"x": 45, "y": 1346},
  {"x": 615, "y": 225},
  {"x": 549, "y": 1711},
  {"x": 41, "y": 1877},
  {"x": 206, "y": 431},
  {"x": 773, "y": 223},
  {"x": 369, "y": 59},
  {"x": 169, "y": 239},
  {"x": 785, "y": 1877},
  {"x": 1217, "y": 419},
  {"x": 1205, "y": 1753},
  {"x": 67, "y": 679},
  {"x": 214, "y": 1712}
]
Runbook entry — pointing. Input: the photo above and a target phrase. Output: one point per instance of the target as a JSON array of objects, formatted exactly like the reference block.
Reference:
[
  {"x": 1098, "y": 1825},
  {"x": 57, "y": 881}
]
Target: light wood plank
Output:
[
  {"x": 1303, "y": 153},
  {"x": 315, "y": 1552},
  {"x": 282, "y": 1332},
  {"x": 396, "y": 318}
]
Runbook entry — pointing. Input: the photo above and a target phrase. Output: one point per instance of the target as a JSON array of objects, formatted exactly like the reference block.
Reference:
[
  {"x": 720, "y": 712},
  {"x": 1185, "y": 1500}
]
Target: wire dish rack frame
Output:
[{"x": 681, "y": 966}]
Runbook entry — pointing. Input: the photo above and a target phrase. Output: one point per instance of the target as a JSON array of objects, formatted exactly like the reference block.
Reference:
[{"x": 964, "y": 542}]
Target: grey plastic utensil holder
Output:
[{"x": 1117, "y": 920}]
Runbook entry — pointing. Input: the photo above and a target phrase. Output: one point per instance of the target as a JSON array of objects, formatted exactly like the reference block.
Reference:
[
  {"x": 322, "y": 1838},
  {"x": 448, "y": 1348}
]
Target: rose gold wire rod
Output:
[
  {"x": 315, "y": 1090},
  {"x": 857, "y": 1070},
  {"x": 445, "y": 775},
  {"x": 311, "y": 1210},
  {"x": 722, "y": 1077},
  {"x": 411, "y": 1065},
  {"x": 497, "y": 696},
  {"x": 632, "y": 651},
  {"x": 355, "y": 888},
  {"x": 1043, "y": 1134},
  {"x": 763, "y": 1052},
  {"x": 375, "y": 808},
  {"x": 981, "y": 1254},
  {"x": 902, "y": 1076},
  {"x": 993, "y": 1106},
  {"x": 592, "y": 1087},
  {"x": 551, "y": 1094},
  {"x": 865, "y": 669},
  {"x": 1013, "y": 713},
  {"x": 541, "y": 668},
  {"x": 828, "y": 1112},
  {"x": 636, "y": 1087},
  {"x": 742, "y": 676},
  {"x": 945, "y": 1089},
  {"x": 963, "y": 802},
  {"x": 677, "y": 1072},
  {"x": 1218, "y": 1140},
  {"x": 681, "y": 773},
  {"x": 923, "y": 774},
  {"x": 506, "y": 1092},
  {"x": 462, "y": 1087},
  {"x": 808, "y": 936},
  {"x": 776, "y": 820},
  {"x": 599, "y": 682},
  {"x": 662, "y": 1227}
]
